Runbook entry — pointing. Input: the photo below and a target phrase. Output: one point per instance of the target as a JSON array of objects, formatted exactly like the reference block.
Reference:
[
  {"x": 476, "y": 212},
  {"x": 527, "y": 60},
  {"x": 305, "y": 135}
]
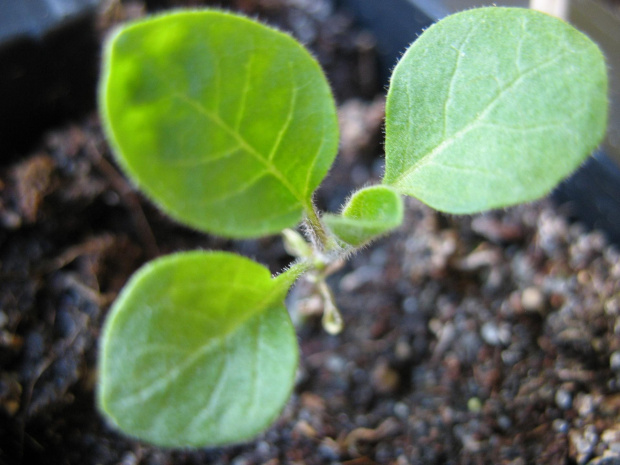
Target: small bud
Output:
[
  {"x": 295, "y": 244},
  {"x": 332, "y": 319}
]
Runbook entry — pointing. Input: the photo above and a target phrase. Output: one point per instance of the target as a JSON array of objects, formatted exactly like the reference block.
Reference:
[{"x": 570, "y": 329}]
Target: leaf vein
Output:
[
  {"x": 314, "y": 160},
  {"x": 438, "y": 149},
  {"x": 192, "y": 163},
  {"x": 148, "y": 391},
  {"x": 244, "y": 92},
  {"x": 473, "y": 169},
  {"x": 289, "y": 117},
  {"x": 241, "y": 140},
  {"x": 459, "y": 54},
  {"x": 228, "y": 194},
  {"x": 518, "y": 52},
  {"x": 144, "y": 394},
  {"x": 215, "y": 393},
  {"x": 256, "y": 367}
]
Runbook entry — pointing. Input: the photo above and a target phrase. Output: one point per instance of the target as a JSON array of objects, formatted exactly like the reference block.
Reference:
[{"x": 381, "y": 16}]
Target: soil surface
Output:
[{"x": 492, "y": 339}]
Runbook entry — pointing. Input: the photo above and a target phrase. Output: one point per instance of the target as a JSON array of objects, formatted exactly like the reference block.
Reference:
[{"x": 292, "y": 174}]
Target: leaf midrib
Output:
[
  {"x": 265, "y": 161},
  {"x": 427, "y": 158},
  {"x": 165, "y": 380}
]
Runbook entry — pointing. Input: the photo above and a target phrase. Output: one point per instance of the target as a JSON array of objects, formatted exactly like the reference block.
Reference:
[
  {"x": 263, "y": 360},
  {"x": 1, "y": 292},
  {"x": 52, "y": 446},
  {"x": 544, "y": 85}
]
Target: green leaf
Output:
[
  {"x": 228, "y": 125},
  {"x": 493, "y": 107},
  {"x": 197, "y": 350},
  {"x": 369, "y": 213}
]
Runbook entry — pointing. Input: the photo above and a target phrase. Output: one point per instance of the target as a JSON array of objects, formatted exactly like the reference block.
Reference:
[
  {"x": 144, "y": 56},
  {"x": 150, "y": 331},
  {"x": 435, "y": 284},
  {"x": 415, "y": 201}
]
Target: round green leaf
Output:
[
  {"x": 197, "y": 350},
  {"x": 492, "y": 107},
  {"x": 369, "y": 213},
  {"x": 228, "y": 125}
]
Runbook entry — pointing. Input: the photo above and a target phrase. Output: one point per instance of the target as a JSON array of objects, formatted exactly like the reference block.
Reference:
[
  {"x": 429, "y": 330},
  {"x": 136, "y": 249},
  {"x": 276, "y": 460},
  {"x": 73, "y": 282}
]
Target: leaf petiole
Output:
[{"x": 319, "y": 235}]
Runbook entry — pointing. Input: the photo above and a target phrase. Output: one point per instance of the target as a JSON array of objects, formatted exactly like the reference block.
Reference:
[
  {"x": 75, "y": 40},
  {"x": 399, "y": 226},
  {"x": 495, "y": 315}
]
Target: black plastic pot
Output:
[
  {"x": 592, "y": 195},
  {"x": 48, "y": 67}
]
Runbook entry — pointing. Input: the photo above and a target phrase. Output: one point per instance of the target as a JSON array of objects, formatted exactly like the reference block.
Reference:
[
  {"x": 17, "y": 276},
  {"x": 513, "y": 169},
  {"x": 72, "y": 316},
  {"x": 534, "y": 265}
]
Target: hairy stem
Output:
[{"x": 322, "y": 237}]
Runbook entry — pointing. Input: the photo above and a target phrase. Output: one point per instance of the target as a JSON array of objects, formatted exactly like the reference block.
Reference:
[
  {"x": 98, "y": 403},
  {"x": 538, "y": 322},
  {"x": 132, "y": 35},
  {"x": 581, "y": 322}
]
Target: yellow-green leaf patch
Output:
[{"x": 197, "y": 350}]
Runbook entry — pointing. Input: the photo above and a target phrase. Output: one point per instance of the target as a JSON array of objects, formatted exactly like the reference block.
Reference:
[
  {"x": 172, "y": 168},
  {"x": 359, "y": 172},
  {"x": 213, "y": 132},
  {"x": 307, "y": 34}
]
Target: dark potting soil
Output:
[{"x": 492, "y": 339}]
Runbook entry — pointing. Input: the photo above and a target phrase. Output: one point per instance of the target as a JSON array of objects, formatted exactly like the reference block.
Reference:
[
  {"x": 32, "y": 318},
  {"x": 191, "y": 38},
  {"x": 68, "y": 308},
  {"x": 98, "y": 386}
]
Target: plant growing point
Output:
[{"x": 230, "y": 126}]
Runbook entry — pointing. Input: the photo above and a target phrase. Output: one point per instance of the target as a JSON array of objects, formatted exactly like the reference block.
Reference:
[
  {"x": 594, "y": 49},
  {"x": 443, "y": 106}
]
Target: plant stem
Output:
[
  {"x": 325, "y": 241},
  {"x": 288, "y": 277}
]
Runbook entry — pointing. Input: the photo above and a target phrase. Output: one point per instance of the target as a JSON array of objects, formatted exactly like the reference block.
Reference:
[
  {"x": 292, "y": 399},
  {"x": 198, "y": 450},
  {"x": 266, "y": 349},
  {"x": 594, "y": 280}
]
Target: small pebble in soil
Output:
[
  {"x": 560, "y": 425},
  {"x": 612, "y": 307},
  {"x": 240, "y": 461},
  {"x": 583, "y": 443},
  {"x": 474, "y": 405},
  {"x": 401, "y": 410},
  {"x": 584, "y": 403},
  {"x": 511, "y": 357},
  {"x": 335, "y": 364},
  {"x": 411, "y": 305},
  {"x": 129, "y": 459},
  {"x": 329, "y": 449},
  {"x": 532, "y": 299},
  {"x": 384, "y": 378},
  {"x": 495, "y": 335},
  {"x": 504, "y": 422},
  {"x": 606, "y": 460},
  {"x": 563, "y": 399},
  {"x": 610, "y": 438},
  {"x": 403, "y": 351},
  {"x": 614, "y": 361},
  {"x": 10, "y": 393}
]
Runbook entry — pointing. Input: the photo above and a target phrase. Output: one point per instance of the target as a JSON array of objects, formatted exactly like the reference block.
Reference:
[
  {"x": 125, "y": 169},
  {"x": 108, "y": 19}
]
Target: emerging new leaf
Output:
[
  {"x": 198, "y": 350},
  {"x": 492, "y": 107},
  {"x": 228, "y": 125},
  {"x": 369, "y": 213}
]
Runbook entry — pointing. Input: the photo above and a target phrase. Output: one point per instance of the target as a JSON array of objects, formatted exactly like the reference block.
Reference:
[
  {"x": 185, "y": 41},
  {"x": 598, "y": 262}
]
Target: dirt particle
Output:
[
  {"x": 532, "y": 299},
  {"x": 614, "y": 361},
  {"x": 495, "y": 335},
  {"x": 563, "y": 399},
  {"x": 31, "y": 180},
  {"x": 384, "y": 378},
  {"x": 582, "y": 444}
]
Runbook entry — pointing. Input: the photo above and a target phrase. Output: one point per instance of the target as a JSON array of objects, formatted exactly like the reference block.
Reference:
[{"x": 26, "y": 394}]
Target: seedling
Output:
[{"x": 230, "y": 126}]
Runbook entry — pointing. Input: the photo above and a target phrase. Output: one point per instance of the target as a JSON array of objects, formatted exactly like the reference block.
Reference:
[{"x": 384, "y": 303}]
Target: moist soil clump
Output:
[{"x": 491, "y": 339}]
